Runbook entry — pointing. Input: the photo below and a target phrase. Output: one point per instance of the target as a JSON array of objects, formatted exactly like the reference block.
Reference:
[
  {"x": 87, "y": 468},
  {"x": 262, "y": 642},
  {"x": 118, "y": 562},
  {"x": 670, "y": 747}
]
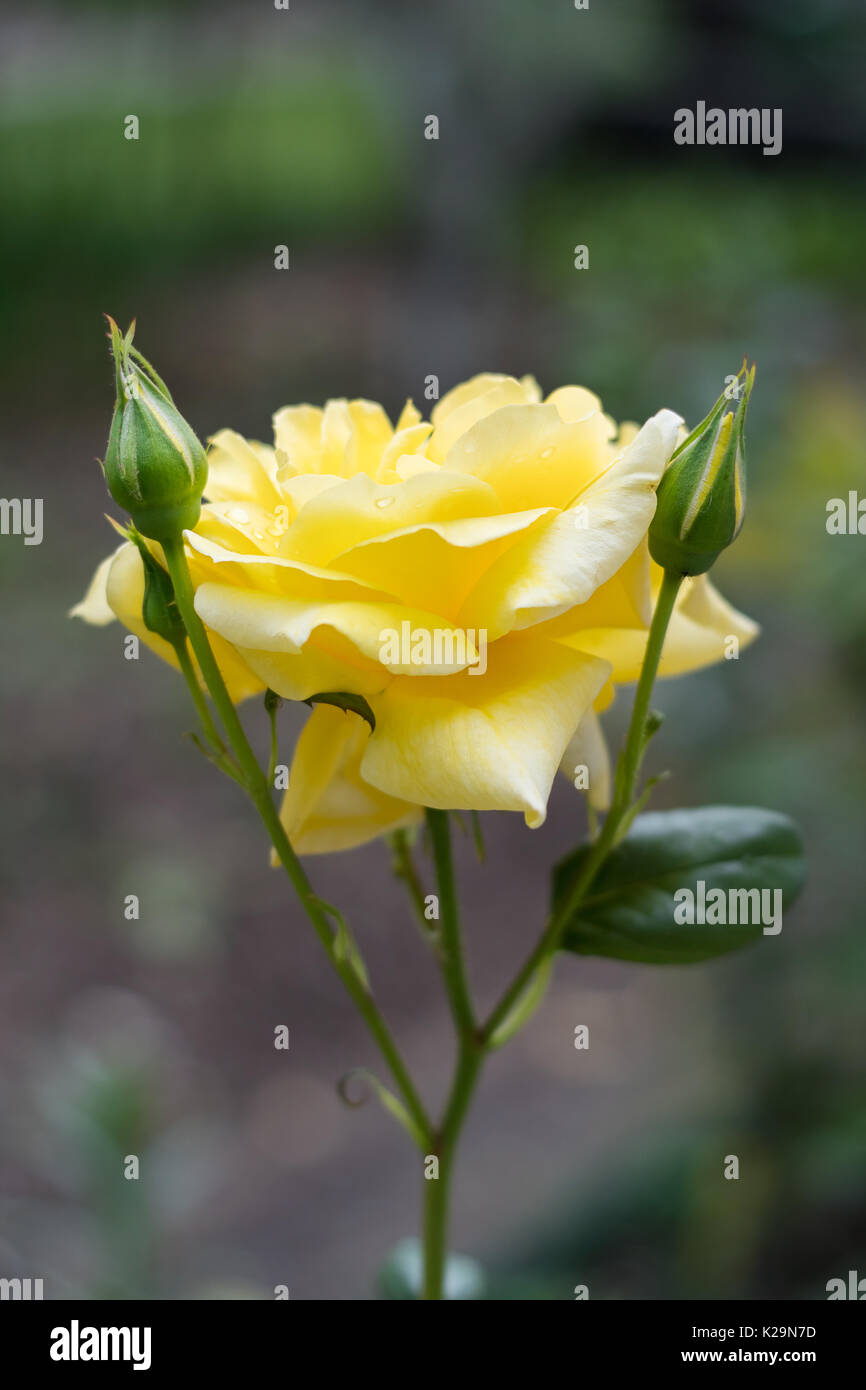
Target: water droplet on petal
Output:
[
  {"x": 238, "y": 514},
  {"x": 469, "y": 446},
  {"x": 384, "y": 501},
  {"x": 546, "y": 453},
  {"x": 258, "y": 535}
]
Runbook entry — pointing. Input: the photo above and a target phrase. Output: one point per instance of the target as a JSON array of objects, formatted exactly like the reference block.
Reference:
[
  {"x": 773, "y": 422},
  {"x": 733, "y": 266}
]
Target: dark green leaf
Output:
[
  {"x": 344, "y": 700},
  {"x": 628, "y": 912}
]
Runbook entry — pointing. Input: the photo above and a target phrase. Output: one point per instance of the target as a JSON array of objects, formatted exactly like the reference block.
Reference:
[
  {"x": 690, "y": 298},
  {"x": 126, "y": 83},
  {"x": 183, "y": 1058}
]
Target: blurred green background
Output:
[{"x": 409, "y": 257}]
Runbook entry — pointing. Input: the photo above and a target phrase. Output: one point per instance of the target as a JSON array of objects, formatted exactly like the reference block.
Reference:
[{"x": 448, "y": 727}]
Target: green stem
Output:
[
  {"x": 258, "y": 790},
  {"x": 437, "y": 1191},
  {"x": 403, "y": 865},
  {"x": 470, "y": 1056},
  {"x": 474, "y": 1042},
  {"x": 199, "y": 701},
  {"x": 450, "y": 945},
  {"x": 626, "y": 776},
  {"x": 635, "y": 744},
  {"x": 275, "y": 746}
]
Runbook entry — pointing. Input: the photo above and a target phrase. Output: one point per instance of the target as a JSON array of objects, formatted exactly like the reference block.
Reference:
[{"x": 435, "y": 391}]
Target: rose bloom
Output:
[{"x": 506, "y": 515}]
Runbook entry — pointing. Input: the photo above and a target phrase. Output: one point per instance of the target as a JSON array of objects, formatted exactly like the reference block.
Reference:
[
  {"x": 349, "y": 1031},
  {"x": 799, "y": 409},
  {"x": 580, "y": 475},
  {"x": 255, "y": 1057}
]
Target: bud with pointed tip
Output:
[
  {"x": 701, "y": 497},
  {"x": 155, "y": 465}
]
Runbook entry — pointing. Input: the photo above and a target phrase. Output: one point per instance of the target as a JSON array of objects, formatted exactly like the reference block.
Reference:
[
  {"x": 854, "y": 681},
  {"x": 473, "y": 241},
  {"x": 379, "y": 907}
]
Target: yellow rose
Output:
[{"x": 483, "y": 580}]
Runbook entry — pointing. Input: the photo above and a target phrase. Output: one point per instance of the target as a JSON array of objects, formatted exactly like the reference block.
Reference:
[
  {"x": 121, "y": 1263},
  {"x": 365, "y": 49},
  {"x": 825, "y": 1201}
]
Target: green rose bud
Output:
[
  {"x": 158, "y": 608},
  {"x": 155, "y": 465},
  {"x": 701, "y": 497}
]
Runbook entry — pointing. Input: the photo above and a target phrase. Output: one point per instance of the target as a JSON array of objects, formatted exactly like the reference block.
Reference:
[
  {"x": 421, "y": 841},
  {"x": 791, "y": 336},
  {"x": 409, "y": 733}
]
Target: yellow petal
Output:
[
  {"x": 410, "y": 415},
  {"x": 480, "y": 386},
  {"x": 345, "y": 438},
  {"x": 625, "y": 600},
  {"x": 298, "y": 439},
  {"x": 244, "y": 527},
  {"x": 574, "y": 403},
  {"x": 94, "y": 608},
  {"x": 436, "y": 564},
  {"x": 410, "y": 465},
  {"x": 328, "y": 806},
  {"x": 368, "y": 636},
  {"x": 358, "y": 509},
  {"x": 211, "y": 562},
  {"x": 588, "y": 748},
  {"x": 240, "y": 471},
  {"x": 125, "y": 594},
  {"x": 698, "y": 635},
  {"x": 354, "y": 435},
  {"x": 487, "y": 742},
  {"x": 463, "y": 407},
  {"x": 560, "y": 565},
  {"x": 530, "y": 456},
  {"x": 408, "y": 441},
  {"x": 301, "y": 490}
]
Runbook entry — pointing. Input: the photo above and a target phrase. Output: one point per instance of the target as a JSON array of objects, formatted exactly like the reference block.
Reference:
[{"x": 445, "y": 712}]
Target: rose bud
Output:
[
  {"x": 159, "y": 608},
  {"x": 702, "y": 493},
  {"x": 155, "y": 465}
]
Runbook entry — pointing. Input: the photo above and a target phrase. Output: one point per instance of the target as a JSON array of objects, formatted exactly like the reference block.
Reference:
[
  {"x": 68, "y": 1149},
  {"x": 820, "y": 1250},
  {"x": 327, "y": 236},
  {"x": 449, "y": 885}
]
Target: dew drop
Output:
[
  {"x": 546, "y": 453},
  {"x": 258, "y": 535},
  {"x": 384, "y": 502},
  {"x": 238, "y": 514}
]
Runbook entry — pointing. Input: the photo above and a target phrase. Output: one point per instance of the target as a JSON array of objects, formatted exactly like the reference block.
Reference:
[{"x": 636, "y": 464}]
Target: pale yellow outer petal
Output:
[
  {"x": 94, "y": 608},
  {"x": 588, "y": 748},
  {"x": 328, "y": 806},
  {"x": 124, "y": 594},
  {"x": 487, "y": 742},
  {"x": 698, "y": 635}
]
